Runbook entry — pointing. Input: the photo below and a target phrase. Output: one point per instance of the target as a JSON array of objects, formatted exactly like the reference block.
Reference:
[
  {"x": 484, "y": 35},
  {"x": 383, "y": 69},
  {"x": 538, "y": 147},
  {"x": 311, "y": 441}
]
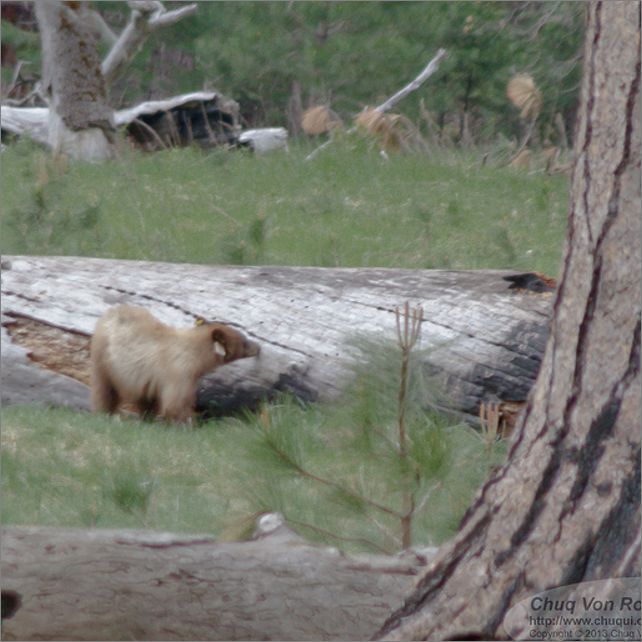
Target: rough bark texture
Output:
[
  {"x": 78, "y": 584},
  {"x": 565, "y": 508},
  {"x": 80, "y": 120},
  {"x": 482, "y": 338}
]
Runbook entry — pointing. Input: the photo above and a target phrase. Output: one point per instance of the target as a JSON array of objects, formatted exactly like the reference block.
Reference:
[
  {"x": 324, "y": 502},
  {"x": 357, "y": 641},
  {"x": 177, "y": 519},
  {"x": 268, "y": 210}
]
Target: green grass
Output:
[
  {"x": 326, "y": 468},
  {"x": 348, "y": 207},
  {"x": 63, "y": 468}
]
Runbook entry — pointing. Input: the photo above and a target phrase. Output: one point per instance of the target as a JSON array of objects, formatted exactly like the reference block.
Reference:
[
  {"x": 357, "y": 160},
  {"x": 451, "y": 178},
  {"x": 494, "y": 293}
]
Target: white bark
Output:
[
  {"x": 428, "y": 71},
  {"x": 26, "y": 121},
  {"x": 265, "y": 140},
  {"x": 480, "y": 339},
  {"x": 126, "y": 116},
  {"x": 146, "y": 17},
  {"x": 90, "y": 144}
]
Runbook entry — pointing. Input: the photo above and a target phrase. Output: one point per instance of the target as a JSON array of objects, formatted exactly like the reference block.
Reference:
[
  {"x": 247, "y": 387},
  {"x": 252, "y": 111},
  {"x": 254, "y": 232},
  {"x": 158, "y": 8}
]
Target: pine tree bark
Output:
[
  {"x": 565, "y": 507},
  {"x": 80, "y": 119}
]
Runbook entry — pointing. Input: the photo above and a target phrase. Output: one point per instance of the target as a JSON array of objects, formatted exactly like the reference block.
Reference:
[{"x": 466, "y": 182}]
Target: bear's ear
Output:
[{"x": 219, "y": 342}]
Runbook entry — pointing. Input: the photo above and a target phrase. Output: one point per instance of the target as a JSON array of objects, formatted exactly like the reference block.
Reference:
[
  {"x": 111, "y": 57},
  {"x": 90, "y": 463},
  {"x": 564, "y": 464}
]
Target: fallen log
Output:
[
  {"x": 76, "y": 584},
  {"x": 482, "y": 336},
  {"x": 206, "y": 117}
]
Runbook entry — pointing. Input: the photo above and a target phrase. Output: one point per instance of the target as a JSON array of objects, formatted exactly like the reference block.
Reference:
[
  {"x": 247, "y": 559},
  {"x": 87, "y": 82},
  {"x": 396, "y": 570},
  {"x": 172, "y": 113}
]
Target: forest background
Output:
[{"x": 273, "y": 56}]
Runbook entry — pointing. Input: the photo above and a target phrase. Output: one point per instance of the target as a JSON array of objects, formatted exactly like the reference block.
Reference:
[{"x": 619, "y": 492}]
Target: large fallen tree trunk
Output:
[
  {"x": 77, "y": 584},
  {"x": 482, "y": 338}
]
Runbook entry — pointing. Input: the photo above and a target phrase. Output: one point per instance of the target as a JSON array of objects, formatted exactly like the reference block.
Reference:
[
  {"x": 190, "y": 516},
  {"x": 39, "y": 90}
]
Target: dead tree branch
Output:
[{"x": 146, "y": 17}]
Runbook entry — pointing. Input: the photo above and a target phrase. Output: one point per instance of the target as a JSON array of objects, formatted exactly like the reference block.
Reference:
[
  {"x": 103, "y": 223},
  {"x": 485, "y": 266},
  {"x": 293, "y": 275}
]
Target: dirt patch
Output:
[{"x": 62, "y": 351}]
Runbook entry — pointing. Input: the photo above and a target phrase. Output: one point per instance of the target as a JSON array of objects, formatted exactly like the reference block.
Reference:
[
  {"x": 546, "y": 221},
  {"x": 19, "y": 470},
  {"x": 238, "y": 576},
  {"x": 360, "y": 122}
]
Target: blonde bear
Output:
[{"x": 140, "y": 362}]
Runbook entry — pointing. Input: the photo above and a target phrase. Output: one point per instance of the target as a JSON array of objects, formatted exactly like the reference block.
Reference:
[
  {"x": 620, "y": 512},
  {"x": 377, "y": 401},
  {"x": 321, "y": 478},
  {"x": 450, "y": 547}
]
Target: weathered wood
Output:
[
  {"x": 481, "y": 338},
  {"x": 264, "y": 140},
  {"x": 145, "y": 18},
  {"x": 26, "y": 121},
  {"x": 76, "y": 584},
  {"x": 23, "y": 382},
  {"x": 203, "y": 117}
]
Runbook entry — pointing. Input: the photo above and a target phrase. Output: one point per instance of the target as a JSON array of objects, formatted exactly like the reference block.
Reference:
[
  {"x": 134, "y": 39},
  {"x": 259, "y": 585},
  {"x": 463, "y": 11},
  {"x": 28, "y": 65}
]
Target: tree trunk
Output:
[
  {"x": 80, "y": 120},
  {"x": 79, "y": 584},
  {"x": 565, "y": 507},
  {"x": 482, "y": 339}
]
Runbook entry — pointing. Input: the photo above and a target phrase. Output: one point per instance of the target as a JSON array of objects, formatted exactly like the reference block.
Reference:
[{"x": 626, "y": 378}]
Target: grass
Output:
[
  {"x": 348, "y": 207},
  {"x": 327, "y": 468},
  {"x": 64, "y": 468}
]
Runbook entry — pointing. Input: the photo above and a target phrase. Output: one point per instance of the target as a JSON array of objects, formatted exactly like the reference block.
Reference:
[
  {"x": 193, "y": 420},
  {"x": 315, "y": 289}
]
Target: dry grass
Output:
[
  {"x": 525, "y": 95},
  {"x": 320, "y": 120}
]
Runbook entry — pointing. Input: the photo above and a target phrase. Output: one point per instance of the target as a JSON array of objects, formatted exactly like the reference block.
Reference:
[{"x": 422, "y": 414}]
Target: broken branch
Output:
[
  {"x": 145, "y": 18},
  {"x": 428, "y": 71}
]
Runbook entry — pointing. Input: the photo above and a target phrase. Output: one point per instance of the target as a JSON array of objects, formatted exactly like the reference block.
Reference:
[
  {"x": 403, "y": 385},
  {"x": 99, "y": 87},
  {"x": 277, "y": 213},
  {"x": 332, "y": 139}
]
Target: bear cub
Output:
[{"x": 139, "y": 361}]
